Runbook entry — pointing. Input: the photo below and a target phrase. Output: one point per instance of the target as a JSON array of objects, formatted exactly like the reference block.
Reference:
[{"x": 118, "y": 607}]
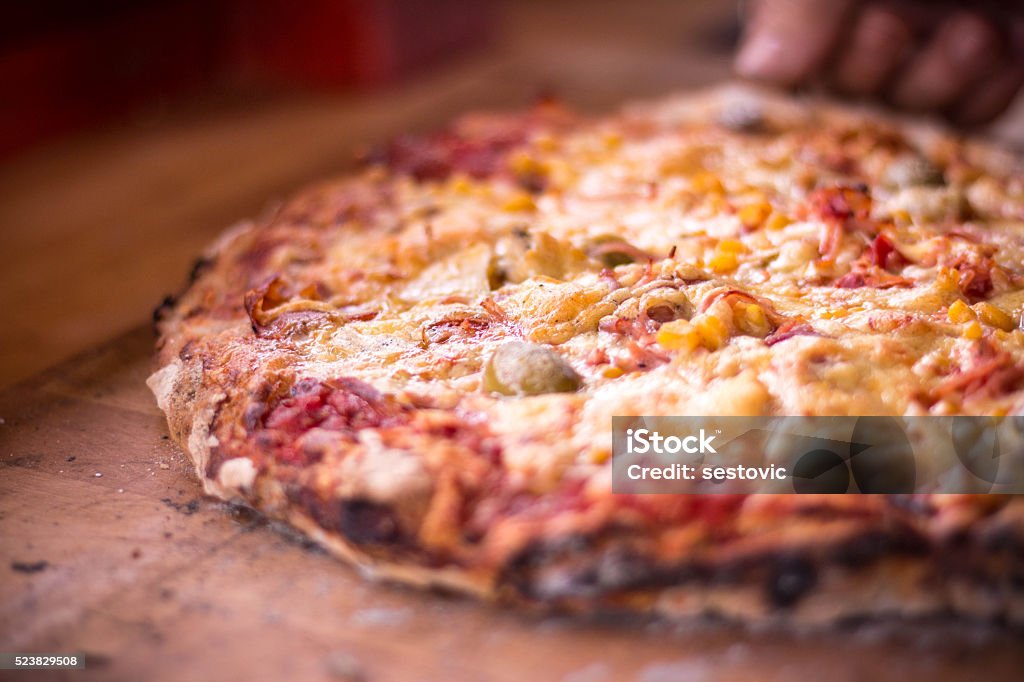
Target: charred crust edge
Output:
[{"x": 600, "y": 566}]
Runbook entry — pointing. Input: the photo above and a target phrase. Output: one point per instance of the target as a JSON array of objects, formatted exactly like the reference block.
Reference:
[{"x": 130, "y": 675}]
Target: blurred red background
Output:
[{"x": 66, "y": 64}]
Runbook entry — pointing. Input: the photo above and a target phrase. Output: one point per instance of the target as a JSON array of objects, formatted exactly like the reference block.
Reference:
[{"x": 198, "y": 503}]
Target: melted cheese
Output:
[{"x": 781, "y": 218}]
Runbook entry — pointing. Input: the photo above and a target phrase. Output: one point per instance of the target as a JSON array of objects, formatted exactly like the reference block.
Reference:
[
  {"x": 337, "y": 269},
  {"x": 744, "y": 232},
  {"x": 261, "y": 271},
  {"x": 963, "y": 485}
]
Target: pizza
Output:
[{"x": 417, "y": 364}]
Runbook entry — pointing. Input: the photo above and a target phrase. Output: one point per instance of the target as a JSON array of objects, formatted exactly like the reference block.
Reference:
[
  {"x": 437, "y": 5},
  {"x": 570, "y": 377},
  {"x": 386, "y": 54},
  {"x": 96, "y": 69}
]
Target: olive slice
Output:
[{"x": 520, "y": 368}]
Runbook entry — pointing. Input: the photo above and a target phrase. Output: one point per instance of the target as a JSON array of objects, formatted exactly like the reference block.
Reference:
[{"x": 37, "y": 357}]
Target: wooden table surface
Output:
[{"x": 106, "y": 544}]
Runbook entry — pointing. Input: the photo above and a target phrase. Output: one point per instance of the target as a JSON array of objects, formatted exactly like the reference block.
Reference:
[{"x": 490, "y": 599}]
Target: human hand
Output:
[{"x": 965, "y": 60}]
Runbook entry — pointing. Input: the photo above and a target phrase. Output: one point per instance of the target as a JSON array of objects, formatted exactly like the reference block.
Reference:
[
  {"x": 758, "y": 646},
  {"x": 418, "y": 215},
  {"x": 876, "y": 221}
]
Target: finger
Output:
[
  {"x": 786, "y": 41},
  {"x": 880, "y": 42},
  {"x": 990, "y": 97},
  {"x": 963, "y": 49},
  {"x": 996, "y": 92}
]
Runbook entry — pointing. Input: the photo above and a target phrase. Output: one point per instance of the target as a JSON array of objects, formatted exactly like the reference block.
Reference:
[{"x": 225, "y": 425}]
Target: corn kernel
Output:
[
  {"x": 973, "y": 331},
  {"x": 560, "y": 174},
  {"x": 713, "y": 332},
  {"x": 902, "y": 217},
  {"x": 993, "y": 316},
  {"x": 522, "y": 163},
  {"x": 612, "y": 139},
  {"x": 545, "y": 143},
  {"x": 751, "y": 320},
  {"x": 947, "y": 280},
  {"x": 678, "y": 335},
  {"x": 519, "y": 202},
  {"x": 723, "y": 261},
  {"x": 612, "y": 372},
  {"x": 732, "y": 246},
  {"x": 707, "y": 183},
  {"x": 460, "y": 184},
  {"x": 959, "y": 313},
  {"x": 777, "y": 221},
  {"x": 754, "y": 215}
]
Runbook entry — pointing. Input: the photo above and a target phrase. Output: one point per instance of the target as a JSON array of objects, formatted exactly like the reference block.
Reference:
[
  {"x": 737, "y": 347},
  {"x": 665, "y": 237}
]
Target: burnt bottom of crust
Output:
[
  {"x": 613, "y": 573},
  {"x": 363, "y": 523},
  {"x": 615, "y": 564},
  {"x": 582, "y": 568}
]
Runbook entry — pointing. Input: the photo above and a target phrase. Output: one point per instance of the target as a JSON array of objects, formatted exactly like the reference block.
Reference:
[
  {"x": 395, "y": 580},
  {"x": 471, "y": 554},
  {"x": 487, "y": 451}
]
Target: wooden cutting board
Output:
[{"x": 108, "y": 547}]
